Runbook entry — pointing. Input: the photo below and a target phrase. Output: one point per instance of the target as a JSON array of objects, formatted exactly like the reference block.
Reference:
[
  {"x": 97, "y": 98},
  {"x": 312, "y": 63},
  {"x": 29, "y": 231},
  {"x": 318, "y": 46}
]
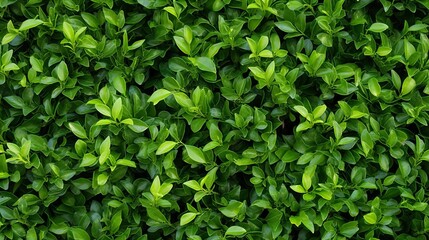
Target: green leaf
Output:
[
  {"x": 138, "y": 126},
  {"x": 290, "y": 156},
  {"x": 306, "y": 221},
  {"x": 407, "y": 86},
  {"x": 171, "y": 10},
  {"x": 378, "y": 27},
  {"x": 193, "y": 184},
  {"x": 31, "y": 234},
  {"x": 187, "y": 33},
  {"x": 367, "y": 142},
  {"x": 88, "y": 160},
  {"x": 79, "y": 233},
  {"x": 126, "y": 162},
  {"x": 8, "y": 37},
  {"x": 30, "y": 23},
  {"x": 370, "y": 218},
  {"x": 258, "y": 72},
  {"x": 347, "y": 140},
  {"x": 187, "y": 218},
  {"x": 286, "y": 26},
  {"x": 120, "y": 84},
  {"x": 158, "y": 96},
  {"x": 15, "y": 101},
  {"x": 303, "y": 126},
  {"x": 349, "y": 229},
  {"x": 128, "y": 121},
  {"x": 36, "y": 64},
  {"x": 205, "y": 64},
  {"x": 90, "y": 19},
  {"x": 306, "y": 181},
  {"x": 425, "y": 156},
  {"x": 62, "y": 71},
  {"x": 315, "y": 61},
  {"x": 294, "y": 5},
  {"x": 78, "y": 130},
  {"x": 326, "y": 39},
  {"x": 10, "y": 67},
  {"x": 183, "y": 100},
  {"x": 210, "y": 178},
  {"x": 374, "y": 87},
  {"x": 298, "y": 188},
  {"x": 235, "y": 231},
  {"x": 165, "y": 147},
  {"x": 195, "y": 154},
  {"x": 319, "y": 111},
  {"x": 301, "y": 110},
  {"x": 355, "y": 114},
  {"x": 115, "y": 222},
  {"x": 155, "y": 187},
  {"x": 182, "y": 45},
  {"x": 111, "y": 17},
  {"x": 68, "y": 31},
  {"x": 103, "y": 109},
  {"x": 102, "y": 179},
  {"x": 156, "y": 215},
  {"x": 384, "y": 51},
  {"x": 396, "y": 79},
  {"x": 117, "y": 110}
]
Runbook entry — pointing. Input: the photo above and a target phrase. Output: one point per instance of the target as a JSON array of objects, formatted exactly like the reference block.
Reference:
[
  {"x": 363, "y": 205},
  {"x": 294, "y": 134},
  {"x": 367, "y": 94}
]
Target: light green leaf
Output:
[
  {"x": 8, "y": 37},
  {"x": 68, "y": 31},
  {"x": 117, "y": 109},
  {"x": 156, "y": 215},
  {"x": 10, "y": 67},
  {"x": 183, "y": 100},
  {"x": 187, "y": 218},
  {"x": 115, "y": 222},
  {"x": 195, "y": 154},
  {"x": 120, "y": 84},
  {"x": 319, "y": 111},
  {"x": 187, "y": 33},
  {"x": 103, "y": 109},
  {"x": 158, "y": 96},
  {"x": 88, "y": 160},
  {"x": 193, "y": 184},
  {"x": 36, "y": 64},
  {"x": 286, "y": 26},
  {"x": 374, "y": 87},
  {"x": 126, "y": 162},
  {"x": 209, "y": 179},
  {"x": 79, "y": 233},
  {"x": 408, "y": 85},
  {"x": 349, "y": 229},
  {"x": 298, "y": 188},
  {"x": 235, "y": 231},
  {"x": 30, "y": 23},
  {"x": 182, "y": 45},
  {"x": 62, "y": 71},
  {"x": 378, "y": 27},
  {"x": 155, "y": 187},
  {"x": 370, "y": 218},
  {"x": 205, "y": 64},
  {"x": 102, "y": 179},
  {"x": 165, "y": 147},
  {"x": 78, "y": 130},
  {"x": 111, "y": 17},
  {"x": 301, "y": 110}
]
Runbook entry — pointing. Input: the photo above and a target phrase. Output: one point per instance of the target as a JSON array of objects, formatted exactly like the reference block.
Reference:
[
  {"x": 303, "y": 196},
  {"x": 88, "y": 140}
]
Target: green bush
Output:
[{"x": 214, "y": 119}]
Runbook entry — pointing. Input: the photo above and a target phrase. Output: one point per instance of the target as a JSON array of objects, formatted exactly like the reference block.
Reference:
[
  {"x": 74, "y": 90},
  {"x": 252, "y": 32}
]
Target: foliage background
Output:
[{"x": 214, "y": 119}]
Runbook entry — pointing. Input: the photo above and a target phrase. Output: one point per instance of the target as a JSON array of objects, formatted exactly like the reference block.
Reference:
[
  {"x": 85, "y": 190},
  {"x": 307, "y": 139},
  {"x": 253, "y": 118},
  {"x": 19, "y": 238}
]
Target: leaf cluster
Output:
[{"x": 214, "y": 119}]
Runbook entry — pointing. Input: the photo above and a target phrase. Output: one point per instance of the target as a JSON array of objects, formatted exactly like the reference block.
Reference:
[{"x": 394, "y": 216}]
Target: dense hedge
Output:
[{"x": 214, "y": 119}]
